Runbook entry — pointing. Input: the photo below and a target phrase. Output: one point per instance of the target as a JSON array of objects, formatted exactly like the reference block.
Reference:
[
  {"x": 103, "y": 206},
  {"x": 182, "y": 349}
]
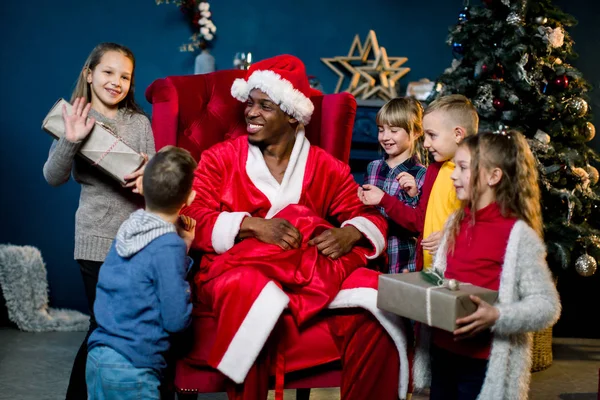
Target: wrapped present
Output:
[
  {"x": 102, "y": 147},
  {"x": 430, "y": 299}
]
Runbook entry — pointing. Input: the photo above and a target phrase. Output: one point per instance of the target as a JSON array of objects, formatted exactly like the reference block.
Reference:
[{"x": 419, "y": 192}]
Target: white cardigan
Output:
[{"x": 527, "y": 301}]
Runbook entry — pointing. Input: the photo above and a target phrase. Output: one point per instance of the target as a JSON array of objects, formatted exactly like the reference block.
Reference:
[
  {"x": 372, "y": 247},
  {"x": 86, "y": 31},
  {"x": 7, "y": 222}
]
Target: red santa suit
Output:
[{"x": 249, "y": 284}]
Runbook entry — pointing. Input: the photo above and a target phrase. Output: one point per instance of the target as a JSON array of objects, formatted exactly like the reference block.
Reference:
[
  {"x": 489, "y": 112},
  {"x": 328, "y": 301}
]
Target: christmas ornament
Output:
[
  {"x": 586, "y": 265},
  {"x": 583, "y": 176},
  {"x": 498, "y": 104},
  {"x": 577, "y": 106},
  {"x": 458, "y": 50},
  {"x": 561, "y": 82},
  {"x": 589, "y": 131},
  {"x": 464, "y": 15},
  {"x": 488, "y": 2},
  {"x": 541, "y": 20},
  {"x": 593, "y": 174},
  {"x": 553, "y": 37},
  {"x": 521, "y": 72},
  {"x": 542, "y": 137},
  {"x": 484, "y": 99},
  {"x": 452, "y": 284},
  {"x": 481, "y": 69},
  {"x": 514, "y": 18}
]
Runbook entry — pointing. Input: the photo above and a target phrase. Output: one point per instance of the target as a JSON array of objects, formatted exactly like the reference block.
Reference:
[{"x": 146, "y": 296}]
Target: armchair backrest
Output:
[{"x": 198, "y": 111}]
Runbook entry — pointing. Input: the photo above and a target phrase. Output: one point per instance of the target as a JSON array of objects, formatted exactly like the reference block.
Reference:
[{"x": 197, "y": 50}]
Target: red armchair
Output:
[{"x": 198, "y": 111}]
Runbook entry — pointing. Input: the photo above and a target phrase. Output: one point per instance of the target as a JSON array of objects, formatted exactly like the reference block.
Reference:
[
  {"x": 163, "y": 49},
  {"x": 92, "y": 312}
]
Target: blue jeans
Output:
[
  {"x": 455, "y": 377},
  {"x": 110, "y": 376}
]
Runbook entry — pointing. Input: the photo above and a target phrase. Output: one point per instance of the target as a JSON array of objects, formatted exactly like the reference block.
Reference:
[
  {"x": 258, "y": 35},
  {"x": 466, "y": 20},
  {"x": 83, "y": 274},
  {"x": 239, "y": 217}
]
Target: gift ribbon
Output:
[
  {"x": 451, "y": 284},
  {"x": 112, "y": 146}
]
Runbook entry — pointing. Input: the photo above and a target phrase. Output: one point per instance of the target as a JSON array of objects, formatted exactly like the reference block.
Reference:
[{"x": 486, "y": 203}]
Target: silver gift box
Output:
[
  {"x": 102, "y": 147},
  {"x": 406, "y": 295}
]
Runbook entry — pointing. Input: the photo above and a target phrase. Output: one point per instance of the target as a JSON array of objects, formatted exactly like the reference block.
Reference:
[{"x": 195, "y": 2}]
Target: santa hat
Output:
[{"x": 283, "y": 78}]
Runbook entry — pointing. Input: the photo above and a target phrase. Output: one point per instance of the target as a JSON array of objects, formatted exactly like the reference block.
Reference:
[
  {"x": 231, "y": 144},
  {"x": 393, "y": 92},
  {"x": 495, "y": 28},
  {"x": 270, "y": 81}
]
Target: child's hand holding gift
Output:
[{"x": 483, "y": 318}]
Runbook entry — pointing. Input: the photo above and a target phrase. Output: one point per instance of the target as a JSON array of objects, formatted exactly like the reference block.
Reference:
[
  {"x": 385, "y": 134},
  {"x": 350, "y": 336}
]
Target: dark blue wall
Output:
[{"x": 46, "y": 42}]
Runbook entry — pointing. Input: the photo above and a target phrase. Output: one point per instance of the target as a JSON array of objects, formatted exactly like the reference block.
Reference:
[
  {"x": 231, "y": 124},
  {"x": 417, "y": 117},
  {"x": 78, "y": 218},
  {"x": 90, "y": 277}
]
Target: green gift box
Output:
[{"x": 417, "y": 296}]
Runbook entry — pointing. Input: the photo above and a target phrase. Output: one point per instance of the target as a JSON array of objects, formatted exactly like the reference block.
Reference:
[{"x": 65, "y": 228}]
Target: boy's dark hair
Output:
[{"x": 168, "y": 178}]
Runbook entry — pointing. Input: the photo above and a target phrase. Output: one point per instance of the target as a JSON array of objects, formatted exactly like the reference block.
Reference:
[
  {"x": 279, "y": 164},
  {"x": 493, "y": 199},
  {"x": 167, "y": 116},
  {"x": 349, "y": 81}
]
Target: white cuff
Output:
[
  {"x": 227, "y": 227},
  {"x": 370, "y": 231}
]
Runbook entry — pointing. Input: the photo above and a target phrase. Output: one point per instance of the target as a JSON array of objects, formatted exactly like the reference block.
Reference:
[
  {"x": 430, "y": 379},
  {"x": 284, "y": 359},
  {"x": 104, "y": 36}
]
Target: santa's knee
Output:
[{"x": 242, "y": 281}]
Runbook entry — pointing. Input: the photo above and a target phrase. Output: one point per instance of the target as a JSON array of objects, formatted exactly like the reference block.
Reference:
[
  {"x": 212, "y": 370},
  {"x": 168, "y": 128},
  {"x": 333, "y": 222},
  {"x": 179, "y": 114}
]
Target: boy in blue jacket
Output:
[{"x": 142, "y": 294}]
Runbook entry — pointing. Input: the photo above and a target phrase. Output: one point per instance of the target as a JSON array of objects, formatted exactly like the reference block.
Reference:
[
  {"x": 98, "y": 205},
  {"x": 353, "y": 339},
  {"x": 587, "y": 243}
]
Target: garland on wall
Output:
[{"x": 199, "y": 17}]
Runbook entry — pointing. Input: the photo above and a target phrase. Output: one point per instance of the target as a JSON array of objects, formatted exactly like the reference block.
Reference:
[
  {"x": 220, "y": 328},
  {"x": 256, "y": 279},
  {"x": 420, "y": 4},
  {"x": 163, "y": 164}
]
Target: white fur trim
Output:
[
  {"x": 290, "y": 189},
  {"x": 280, "y": 90},
  {"x": 370, "y": 231},
  {"x": 366, "y": 298},
  {"x": 253, "y": 333},
  {"x": 227, "y": 227}
]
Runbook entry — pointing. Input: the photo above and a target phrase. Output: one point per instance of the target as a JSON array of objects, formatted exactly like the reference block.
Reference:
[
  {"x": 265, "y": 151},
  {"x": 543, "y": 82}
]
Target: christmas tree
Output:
[{"x": 511, "y": 59}]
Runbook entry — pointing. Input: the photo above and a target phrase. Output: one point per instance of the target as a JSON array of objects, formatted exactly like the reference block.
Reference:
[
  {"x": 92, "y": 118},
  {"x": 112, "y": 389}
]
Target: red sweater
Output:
[
  {"x": 411, "y": 218},
  {"x": 477, "y": 259}
]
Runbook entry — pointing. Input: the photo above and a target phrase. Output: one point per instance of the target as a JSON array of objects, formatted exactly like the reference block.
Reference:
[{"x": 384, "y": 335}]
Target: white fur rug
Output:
[{"x": 25, "y": 288}]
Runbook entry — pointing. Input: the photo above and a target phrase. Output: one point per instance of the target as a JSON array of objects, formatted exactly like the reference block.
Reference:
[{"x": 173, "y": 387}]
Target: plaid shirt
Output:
[{"x": 401, "y": 243}]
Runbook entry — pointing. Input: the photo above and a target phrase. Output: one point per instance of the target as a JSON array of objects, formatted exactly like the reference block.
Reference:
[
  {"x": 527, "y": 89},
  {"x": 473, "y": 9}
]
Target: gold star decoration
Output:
[{"x": 372, "y": 72}]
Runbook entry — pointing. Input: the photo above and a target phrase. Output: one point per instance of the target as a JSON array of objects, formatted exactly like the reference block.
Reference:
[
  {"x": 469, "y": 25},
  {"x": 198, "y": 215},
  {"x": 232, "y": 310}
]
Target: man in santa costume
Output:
[{"x": 264, "y": 208}]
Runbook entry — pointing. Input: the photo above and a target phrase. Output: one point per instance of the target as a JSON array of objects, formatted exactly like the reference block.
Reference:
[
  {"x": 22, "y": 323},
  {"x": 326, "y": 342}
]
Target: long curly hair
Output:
[{"x": 517, "y": 193}]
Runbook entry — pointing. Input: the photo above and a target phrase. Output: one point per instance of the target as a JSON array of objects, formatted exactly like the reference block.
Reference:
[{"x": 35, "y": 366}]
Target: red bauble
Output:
[
  {"x": 484, "y": 68},
  {"x": 488, "y": 2},
  {"x": 498, "y": 104},
  {"x": 561, "y": 82}
]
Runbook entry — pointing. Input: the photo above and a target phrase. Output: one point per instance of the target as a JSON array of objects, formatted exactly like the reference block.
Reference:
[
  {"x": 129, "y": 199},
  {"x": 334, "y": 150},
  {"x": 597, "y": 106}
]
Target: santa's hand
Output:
[
  {"x": 273, "y": 231},
  {"x": 371, "y": 195},
  {"x": 483, "y": 318},
  {"x": 336, "y": 242},
  {"x": 408, "y": 183}
]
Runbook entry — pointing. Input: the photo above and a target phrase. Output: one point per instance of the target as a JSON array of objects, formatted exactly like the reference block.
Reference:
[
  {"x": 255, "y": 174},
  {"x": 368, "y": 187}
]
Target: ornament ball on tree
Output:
[
  {"x": 593, "y": 174},
  {"x": 464, "y": 15},
  {"x": 561, "y": 82},
  {"x": 498, "y": 104},
  {"x": 577, "y": 106},
  {"x": 589, "y": 131},
  {"x": 586, "y": 265}
]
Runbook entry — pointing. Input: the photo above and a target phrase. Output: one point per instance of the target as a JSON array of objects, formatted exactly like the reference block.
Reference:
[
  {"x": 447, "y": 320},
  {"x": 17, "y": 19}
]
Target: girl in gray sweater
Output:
[
  {"x": 493, "y": 241},
  {"x": 106, "y": 84}
]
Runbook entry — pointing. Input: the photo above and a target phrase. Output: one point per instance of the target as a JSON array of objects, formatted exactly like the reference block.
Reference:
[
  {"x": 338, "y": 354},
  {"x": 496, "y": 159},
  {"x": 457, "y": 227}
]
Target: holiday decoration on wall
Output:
[
  {"x": 199, "y": 16},
  {"x": 512, "y": 60},
  {"x": 370, "y": 72}
]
